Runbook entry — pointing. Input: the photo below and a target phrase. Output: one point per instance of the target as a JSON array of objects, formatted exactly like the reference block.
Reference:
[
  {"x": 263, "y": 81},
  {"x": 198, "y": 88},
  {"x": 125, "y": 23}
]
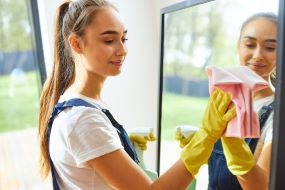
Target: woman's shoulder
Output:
[
  {"x": 81, "y": 110},
  {"x": 259, "y": 103},
  {"x": 80, "y": 116},
  {"x": 97, "y": 103}
]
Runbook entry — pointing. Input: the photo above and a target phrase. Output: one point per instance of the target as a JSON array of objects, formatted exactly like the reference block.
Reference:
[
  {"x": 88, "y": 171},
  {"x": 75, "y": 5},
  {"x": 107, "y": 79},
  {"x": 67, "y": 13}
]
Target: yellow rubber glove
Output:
[
  {"x": 183, "y": 141},
  {"x": 142, "y": 140},
  {"x": 240, "y": 159},
  {"x": 215, "y": 119}
]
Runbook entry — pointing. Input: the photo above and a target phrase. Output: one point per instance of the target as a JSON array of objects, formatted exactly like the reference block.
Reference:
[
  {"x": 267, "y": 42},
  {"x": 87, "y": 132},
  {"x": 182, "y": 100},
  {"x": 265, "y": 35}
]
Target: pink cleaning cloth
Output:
[{"x": 241, "y": 82}]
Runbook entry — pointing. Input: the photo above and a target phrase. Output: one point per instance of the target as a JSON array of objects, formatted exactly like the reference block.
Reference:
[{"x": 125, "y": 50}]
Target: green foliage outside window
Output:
[{"x": 18, "y": 102}]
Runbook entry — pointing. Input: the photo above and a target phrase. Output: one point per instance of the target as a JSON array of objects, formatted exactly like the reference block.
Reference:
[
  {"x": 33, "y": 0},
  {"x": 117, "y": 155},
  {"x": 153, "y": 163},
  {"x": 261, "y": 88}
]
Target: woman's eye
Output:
[
  {"x": 251, "y": 46},
  {"x": 270, "y": 48},
  {"x": 108, "y": 41}
]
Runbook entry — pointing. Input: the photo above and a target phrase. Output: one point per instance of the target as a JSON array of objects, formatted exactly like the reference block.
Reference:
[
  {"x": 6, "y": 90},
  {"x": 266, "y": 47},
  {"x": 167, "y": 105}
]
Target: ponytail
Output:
[{"x": 56, "y": 83}]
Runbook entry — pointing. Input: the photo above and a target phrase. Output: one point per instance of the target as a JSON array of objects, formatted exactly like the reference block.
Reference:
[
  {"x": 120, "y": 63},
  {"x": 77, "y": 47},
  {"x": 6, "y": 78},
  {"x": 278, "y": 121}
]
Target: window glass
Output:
[{"x": 19, "y": 98}]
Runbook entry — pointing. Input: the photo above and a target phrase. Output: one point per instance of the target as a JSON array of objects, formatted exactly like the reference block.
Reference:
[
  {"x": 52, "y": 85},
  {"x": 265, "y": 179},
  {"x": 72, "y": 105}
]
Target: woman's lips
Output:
[
  {"x": 257, "y": 66},
  {"x": 117, "y": 63}
]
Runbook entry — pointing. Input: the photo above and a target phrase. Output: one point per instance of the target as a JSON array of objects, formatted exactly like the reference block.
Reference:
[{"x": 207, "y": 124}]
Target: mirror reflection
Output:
[{"x": 221, "y": 33}]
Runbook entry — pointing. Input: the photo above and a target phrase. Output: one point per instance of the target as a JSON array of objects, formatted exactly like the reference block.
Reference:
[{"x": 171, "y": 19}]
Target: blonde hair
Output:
[{"x": 266, "y": 15}]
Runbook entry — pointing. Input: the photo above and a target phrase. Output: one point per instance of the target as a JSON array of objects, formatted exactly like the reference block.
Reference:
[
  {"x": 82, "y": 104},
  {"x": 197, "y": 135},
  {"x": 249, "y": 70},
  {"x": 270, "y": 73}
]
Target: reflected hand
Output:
[{"x": 240, "y": 159}]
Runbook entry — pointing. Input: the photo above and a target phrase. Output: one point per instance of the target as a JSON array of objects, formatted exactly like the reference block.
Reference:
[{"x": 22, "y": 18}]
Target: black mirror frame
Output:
[{"x": 277, "y": 181}]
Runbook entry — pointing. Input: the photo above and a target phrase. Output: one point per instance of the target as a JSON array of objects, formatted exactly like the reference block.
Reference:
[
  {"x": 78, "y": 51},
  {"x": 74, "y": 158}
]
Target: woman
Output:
[
  {"x": 81, "y": 143},
  {"x": 257, "y": 50}
]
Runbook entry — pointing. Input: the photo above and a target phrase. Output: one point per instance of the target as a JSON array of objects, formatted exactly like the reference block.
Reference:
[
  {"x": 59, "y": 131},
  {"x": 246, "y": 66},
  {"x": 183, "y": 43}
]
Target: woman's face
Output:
[
  {"x": 104, "y": 47},
  {"x": 257, "y": 46}
]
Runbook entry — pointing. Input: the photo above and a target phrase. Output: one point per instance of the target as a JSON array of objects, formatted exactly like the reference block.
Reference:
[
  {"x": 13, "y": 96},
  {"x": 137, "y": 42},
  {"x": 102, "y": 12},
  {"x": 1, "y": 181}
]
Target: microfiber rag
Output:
[{"x": 241, "y": 82}]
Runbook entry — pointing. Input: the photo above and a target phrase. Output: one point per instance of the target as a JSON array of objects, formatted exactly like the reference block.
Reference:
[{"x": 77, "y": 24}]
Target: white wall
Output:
[{"x": 133, "y": 96}]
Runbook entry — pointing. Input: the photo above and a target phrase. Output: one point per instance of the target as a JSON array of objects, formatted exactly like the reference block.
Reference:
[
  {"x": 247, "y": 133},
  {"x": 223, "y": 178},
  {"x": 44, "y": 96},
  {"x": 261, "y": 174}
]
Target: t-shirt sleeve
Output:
[{"x": 92, "y": 136}]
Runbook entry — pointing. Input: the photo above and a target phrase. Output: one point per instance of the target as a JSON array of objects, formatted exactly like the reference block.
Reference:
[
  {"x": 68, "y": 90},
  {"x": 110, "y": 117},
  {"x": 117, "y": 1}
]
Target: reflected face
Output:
[
  {"x": 104, "y": 43},
  {"x": 257, "y": 46}
]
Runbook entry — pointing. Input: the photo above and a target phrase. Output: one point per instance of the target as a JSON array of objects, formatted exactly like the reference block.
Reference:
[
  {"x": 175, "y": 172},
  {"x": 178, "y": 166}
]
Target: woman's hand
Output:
[{"x": 215, "y": 120}]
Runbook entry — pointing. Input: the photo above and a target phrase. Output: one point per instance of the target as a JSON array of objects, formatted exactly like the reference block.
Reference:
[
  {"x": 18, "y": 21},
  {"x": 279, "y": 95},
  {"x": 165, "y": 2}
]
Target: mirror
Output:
[{"x": 196, "y": 34}]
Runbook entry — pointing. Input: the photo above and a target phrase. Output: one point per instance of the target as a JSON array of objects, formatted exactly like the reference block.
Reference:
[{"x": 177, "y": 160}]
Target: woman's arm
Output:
[
  {"x": 121, "y": 172},
  {"x": 118, "y": 170},
  {"x": 258, "y": 177}
]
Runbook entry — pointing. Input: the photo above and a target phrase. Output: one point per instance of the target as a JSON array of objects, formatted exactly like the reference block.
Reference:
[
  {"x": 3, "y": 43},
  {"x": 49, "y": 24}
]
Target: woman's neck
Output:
[
  {"x": 89, "y": 85},
  {"x": 263, "y": 93}
]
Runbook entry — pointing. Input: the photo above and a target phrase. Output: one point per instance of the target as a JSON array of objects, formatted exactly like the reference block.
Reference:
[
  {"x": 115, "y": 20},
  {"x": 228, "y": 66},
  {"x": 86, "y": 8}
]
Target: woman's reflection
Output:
[{"x": 241, "y": 165}]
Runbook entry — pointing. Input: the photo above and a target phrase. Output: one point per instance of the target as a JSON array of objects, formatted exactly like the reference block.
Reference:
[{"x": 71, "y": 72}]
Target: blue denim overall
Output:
[
  {"x": 128, "y": 147},
  {"x": 220, "y": 178}
]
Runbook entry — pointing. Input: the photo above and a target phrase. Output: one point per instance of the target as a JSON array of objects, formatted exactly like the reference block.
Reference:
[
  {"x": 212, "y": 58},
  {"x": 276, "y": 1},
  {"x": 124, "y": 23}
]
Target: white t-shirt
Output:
[
  {"x": 78, "y": 135},
  {"x": 267, "y": 130}
]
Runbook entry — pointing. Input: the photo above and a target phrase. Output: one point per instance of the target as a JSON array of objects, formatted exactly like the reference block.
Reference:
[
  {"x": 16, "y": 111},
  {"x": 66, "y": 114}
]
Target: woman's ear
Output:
[{"x": 75, "y": 43}]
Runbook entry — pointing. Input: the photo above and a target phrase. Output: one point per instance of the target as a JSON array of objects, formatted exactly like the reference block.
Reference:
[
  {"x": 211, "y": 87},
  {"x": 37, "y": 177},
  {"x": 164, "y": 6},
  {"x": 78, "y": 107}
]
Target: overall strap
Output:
[
  {"x": 59, "y": 107},
  {"x": 264, "y": 113},
  {"x": 125, "y": 140}
]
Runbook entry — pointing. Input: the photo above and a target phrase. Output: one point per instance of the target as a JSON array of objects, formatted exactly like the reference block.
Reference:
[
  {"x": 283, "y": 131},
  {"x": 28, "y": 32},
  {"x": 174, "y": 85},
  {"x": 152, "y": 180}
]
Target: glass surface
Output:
[
  {"x": 19, "y": 98},
  {"x": 19, "y": 84},
  {"x": 194, "y": 38}
]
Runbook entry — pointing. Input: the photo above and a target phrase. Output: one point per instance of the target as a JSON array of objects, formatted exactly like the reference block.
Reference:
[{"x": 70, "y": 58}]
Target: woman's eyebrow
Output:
[
  {"x": 112, "y": 32},
  {"x": 271, "y": 40},
  {"x": 249, "y": 37}
]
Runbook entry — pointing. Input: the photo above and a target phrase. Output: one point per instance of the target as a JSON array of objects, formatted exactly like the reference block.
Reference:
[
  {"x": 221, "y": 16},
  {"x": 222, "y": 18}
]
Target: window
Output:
[{"x": 21, "y": 75}]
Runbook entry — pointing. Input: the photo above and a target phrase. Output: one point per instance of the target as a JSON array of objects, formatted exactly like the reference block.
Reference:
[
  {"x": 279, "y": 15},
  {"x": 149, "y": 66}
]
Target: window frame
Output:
[{"x": 38, "y": 52}]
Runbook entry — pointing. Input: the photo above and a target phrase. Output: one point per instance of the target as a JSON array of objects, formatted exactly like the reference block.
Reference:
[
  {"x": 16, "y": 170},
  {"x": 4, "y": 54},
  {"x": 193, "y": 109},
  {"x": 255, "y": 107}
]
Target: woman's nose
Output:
[
  {"x": 257, "y": 54},
  {"x": 122, "y": 49}
]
